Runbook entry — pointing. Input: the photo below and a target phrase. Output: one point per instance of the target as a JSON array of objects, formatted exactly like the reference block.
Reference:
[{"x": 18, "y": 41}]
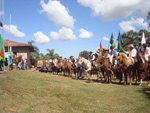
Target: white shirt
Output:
[
  {"x": 50, "y": 60},
  {"x": 93, "y": 58},
  {"x": 147, "y": 51},
  {"x": 55, "y": 61},
  {"x": 112, "y": 53},
  {"x": 133, "y": 53}
]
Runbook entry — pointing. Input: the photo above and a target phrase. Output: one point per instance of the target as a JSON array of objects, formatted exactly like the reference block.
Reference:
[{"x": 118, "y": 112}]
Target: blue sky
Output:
[{"x": 71, "y": 26}]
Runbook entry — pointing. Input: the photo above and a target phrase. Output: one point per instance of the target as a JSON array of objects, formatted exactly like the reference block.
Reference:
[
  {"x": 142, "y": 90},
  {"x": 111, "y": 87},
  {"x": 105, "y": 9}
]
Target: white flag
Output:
[{"x": 143, "y": 39}]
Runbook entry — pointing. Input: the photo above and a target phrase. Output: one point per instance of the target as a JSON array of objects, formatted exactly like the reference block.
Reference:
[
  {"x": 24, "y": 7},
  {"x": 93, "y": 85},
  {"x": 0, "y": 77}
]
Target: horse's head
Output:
[
  {"x": 80, "y": 61},
  {"x": 98, "y": 60}
]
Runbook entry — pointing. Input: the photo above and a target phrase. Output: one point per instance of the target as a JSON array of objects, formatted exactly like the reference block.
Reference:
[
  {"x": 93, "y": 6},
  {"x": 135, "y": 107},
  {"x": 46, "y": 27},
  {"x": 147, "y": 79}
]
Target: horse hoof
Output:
[
  {"x": 130, "y": 84},
  {"x": 140, "y": 84},
  {"x": 148, "y": 85}
]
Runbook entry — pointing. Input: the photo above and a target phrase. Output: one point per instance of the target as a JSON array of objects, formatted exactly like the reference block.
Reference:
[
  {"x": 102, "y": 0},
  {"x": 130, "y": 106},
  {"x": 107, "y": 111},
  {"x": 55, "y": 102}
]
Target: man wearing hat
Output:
[
  {"x": 132, "y": 52},
  {"x": 91, "y": 57},
  {"x": 106, "y": 54},
  {"x": 146, "y": 52},
  {"x": 72, "y": 60},
  {"x": 112, "y": 55}
]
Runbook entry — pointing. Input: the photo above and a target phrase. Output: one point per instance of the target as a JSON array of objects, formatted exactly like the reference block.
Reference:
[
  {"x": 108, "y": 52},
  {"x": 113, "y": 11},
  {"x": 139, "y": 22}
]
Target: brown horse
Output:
[
  {"x": 127, "y": 65},
  {"x": 142, "y": 67},
  {"x": 106, "y": 65},
  {"x": 16, "y": 60},
  {"x": 67, "y": 67},
  {"x": 47, "y": 65}
]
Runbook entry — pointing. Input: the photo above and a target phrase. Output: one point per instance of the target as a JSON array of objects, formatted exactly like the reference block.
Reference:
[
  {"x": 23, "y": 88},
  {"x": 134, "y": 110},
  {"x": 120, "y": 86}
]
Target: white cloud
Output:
[
  {"x": 85, "y": 34},
  {"x": 105, "y": 39},
  {"x": 116, "y": 9},
  {"x": 58, "y": 13},
  {"x": 131, "y": 24},
  {"x": 41, "y": 38},
  {"x": 64, "y": 34},
  {"x": 13, "y": 31}
]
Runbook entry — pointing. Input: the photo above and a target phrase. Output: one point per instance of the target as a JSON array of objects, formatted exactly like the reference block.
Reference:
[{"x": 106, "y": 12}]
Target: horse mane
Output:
[{"x": 127, "y": 61}]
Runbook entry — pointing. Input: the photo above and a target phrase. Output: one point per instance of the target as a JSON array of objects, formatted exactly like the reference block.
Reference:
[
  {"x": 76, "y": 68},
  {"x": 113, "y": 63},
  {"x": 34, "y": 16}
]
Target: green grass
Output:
[{"x": 36, "y": 92}]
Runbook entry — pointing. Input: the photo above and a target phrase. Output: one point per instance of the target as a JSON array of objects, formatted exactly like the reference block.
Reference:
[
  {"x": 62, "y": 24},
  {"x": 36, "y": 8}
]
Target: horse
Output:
[
  {"x": 47, "y": 65},
  {"x": 142, "y": 67},
  {"x": 82, "y": 61},
  {"x": 67, "y": 67},
  {"x": 104, "y": 63},
  {"x": 127, "y": 66},
  {"x": 16, "y": 60}
]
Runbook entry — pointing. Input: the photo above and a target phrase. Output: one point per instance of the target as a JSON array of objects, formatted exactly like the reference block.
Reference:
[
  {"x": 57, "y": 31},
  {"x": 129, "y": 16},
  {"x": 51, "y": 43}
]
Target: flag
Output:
[
  {"x": 1, "y": 48},
  {"x": 120, "y": 42},
  {"x": 11, "y": 56},
  {"x": 100, "y": 50},
  {"x": 143, "y": 39},
  {"x": 112, "y": 42}
]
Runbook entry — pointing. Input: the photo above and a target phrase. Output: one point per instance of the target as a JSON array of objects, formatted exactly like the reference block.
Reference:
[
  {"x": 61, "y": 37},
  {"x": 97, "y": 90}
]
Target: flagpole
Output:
[{"x": 9, "y": 39}]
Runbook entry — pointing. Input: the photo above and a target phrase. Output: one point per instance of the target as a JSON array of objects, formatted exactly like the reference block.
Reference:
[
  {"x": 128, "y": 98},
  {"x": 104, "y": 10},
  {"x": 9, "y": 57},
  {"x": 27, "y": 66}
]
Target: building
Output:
[{"x": 20, "y": 49}]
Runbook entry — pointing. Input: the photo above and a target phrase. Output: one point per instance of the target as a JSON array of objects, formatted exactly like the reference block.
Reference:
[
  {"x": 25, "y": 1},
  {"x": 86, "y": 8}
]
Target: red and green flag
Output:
[
  {"x": 2, "y": 49},
  {"x": 100, "y": 50}
]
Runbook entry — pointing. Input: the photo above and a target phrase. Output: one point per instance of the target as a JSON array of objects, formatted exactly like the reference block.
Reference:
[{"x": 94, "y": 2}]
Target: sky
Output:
[{"x": 72, "y": 26}]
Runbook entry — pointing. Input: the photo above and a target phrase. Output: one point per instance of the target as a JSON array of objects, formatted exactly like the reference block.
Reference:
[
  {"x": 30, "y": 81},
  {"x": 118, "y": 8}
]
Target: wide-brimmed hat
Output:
[
  {"x": 131, "y": 45},
  {"x": 144, "y": 44},
  {"x": 105, "y": 49}
]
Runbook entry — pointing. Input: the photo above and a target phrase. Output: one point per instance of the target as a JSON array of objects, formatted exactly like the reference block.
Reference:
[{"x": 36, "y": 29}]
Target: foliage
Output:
[
  {"x": 148, "y": 18},
  {"x": 134, "y": 37},
  {"x": 84, "y": 54}
]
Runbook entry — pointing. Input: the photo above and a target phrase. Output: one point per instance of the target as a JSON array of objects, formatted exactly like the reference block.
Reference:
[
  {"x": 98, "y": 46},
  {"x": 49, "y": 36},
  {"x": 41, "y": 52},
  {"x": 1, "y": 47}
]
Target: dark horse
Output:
[
  {"x": 16, "y": 60},
  {"x": 142, "y": 67},
  {"x": 105, "y": 64}
]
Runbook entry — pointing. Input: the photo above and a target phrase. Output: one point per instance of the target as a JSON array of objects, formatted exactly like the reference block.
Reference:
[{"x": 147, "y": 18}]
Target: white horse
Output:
[{"x": 84, "y": 62}]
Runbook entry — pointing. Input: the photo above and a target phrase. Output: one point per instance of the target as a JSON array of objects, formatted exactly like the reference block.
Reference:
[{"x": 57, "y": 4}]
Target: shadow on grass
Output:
[{"x": 145, "y": 91}]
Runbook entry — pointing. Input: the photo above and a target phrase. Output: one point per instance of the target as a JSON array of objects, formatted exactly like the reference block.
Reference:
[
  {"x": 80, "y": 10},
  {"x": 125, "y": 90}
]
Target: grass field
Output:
[{"x": 36, "y": 92}]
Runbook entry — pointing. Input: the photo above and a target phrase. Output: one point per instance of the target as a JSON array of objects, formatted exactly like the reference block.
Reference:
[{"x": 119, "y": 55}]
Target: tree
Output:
[
  {"x": 84, "y": 54},
  {"x": 50, "y": 52},
  {"x": 35, "y": 54},
  {"x": 133, "y": 37},
  {"x": 148, "y": 18}
]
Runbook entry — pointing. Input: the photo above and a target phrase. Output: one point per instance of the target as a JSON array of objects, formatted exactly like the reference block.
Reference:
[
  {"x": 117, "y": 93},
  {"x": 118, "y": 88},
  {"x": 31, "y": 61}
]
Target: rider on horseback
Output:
[
  {"x": 91, "y": 57},
  {"x": 112, "y": 55},
  {"x": 146, "y": 52},
  {"x": 132, "y": 53}
]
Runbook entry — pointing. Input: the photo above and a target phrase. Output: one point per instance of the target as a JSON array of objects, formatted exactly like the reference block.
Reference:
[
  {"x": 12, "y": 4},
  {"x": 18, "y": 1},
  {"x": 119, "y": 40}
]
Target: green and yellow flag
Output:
[{"x": 112, "y": 42}]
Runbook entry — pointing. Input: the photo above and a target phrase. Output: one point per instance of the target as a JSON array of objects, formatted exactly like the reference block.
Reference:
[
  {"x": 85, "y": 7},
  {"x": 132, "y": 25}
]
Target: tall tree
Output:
[
  {"x": 50, "y": 52},
  {"x": 148, "y": 18},
  {"x": 134, "y": 37},
  {"x": 84, "y": 54}
]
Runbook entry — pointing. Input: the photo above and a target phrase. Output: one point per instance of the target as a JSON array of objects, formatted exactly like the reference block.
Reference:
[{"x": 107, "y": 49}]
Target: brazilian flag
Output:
[{"x": 112, "y": 42}]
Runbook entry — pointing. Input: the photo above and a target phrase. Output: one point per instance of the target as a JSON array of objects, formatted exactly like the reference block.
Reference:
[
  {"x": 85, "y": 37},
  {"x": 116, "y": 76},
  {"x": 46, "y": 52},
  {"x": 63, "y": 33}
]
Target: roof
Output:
[{"x": 17, "y": 44}]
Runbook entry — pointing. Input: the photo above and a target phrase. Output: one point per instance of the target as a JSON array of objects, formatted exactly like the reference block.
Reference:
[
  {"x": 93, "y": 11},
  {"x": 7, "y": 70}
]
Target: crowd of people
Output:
[
  {"x": 145, "y": 50},
  {"x": 23, "y": 64}
]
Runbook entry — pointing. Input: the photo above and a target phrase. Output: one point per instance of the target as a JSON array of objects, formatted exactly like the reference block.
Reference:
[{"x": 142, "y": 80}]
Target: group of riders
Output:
[{"x": 110, "y": 55}]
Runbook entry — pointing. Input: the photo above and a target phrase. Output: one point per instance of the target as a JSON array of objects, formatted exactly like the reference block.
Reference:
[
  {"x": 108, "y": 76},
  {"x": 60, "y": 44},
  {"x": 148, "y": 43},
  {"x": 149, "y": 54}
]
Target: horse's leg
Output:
[
  {"x": 123, "y": 74},
  {"x": 130, "y": 78}
]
